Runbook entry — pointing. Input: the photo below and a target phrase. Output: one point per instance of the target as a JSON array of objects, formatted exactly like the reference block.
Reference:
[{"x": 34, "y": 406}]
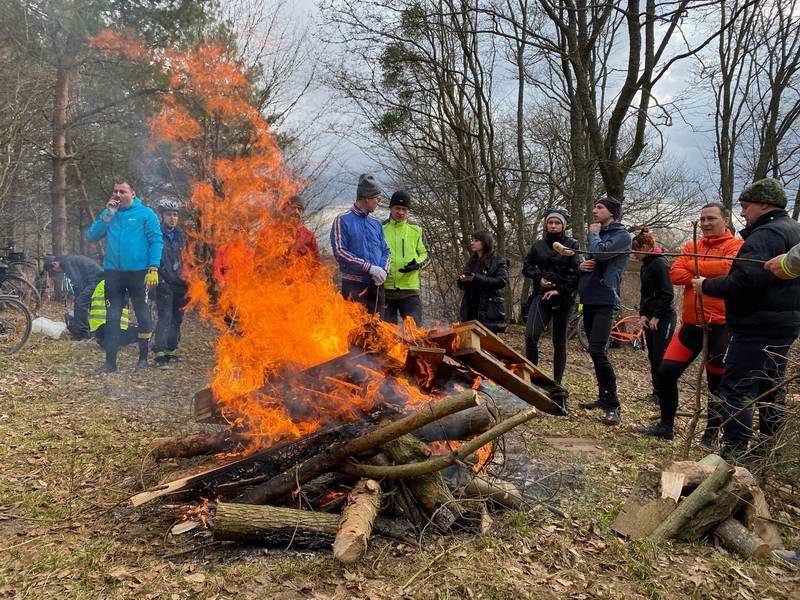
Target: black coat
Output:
[
  {"x": 544, "y": 262},
  {"x": 656, "y": 293},
  {"x": 756, "y": 302},
  {"x": 484, "y": 298},
  {"x": 82, "y": 272},
  {"x": 171, "y": 270}
]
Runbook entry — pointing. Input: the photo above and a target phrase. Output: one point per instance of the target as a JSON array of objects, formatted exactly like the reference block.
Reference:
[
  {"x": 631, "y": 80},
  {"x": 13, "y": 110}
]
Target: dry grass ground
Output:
[{"x": 75, "y": 447}]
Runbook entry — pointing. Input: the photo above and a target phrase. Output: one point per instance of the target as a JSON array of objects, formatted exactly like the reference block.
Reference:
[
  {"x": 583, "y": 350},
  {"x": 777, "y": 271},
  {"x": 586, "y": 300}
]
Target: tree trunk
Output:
[
  {"x": 737, "y": 538},
  {"x": 358, "y": 516},
  {"x": 190, "y": 445},
  {"x": 58, "y": 183}
]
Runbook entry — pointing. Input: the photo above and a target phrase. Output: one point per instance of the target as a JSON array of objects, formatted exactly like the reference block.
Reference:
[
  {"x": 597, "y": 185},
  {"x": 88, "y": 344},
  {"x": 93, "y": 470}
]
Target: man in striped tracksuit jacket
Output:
[{"x": 360, "y": 248}]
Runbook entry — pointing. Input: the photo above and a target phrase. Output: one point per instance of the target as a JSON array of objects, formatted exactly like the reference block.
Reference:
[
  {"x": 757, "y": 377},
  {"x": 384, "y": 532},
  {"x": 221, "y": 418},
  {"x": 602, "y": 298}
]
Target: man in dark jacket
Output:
[
  {"x": 83, "y": 274},
  {"x": 598, "y": 287},
  {"x": 360, "y": 248},
  {"x": 171, "y": 290},
  {"x": 763, "y": 313},
  {"x": 555, "y": 283}
]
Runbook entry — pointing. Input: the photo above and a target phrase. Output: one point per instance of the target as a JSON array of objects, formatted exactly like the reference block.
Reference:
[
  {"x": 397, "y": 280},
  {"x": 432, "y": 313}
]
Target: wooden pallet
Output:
[{"x": 474, "y": 345}]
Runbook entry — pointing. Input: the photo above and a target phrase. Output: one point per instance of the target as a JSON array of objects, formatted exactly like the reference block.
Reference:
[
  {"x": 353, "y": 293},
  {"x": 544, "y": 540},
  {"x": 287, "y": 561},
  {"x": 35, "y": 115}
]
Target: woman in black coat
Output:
[
  {"x": 656, "y": 310},
  {"x": 555, "y": 283},
  {"x": 484, "y": 278}
]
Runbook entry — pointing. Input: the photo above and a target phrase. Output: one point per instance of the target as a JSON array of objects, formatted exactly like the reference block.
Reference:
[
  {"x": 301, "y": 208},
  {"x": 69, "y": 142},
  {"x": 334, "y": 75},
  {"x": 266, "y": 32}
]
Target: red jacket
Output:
[{"x": 683, "y": 271}]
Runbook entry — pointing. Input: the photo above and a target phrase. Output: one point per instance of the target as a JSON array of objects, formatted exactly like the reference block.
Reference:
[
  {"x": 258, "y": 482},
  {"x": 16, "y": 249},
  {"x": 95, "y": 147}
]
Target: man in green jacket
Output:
[{"x": 408, "y": 256}]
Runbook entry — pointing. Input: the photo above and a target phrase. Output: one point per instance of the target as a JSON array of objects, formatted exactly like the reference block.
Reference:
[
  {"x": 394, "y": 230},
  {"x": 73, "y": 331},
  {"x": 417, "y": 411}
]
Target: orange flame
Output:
[{"x": 274, "y": 304}]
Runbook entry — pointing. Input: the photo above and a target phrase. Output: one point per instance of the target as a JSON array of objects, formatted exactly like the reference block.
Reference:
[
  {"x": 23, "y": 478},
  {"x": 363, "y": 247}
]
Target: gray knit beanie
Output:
[{"x": 367, "y": 188}]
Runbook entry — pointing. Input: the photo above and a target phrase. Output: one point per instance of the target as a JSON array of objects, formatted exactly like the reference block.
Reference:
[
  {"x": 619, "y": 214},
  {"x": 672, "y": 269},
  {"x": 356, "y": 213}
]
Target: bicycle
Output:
[
  {"x": 18, "y": 263},
  {"x": 15, "y": 325},
  {"x": 627, "y": 330},
  {"x": 17, "y": 286}
]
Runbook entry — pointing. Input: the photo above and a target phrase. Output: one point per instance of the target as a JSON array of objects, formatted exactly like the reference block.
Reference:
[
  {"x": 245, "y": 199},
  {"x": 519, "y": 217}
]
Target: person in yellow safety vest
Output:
[
  {"x": 97, "y": 319},
  {"x": 408, "y": 256}
]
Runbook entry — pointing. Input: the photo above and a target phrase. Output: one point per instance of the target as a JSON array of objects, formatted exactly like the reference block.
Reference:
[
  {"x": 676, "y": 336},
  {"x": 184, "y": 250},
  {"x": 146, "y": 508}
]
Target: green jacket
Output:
[{"x": 405, "y": 242}]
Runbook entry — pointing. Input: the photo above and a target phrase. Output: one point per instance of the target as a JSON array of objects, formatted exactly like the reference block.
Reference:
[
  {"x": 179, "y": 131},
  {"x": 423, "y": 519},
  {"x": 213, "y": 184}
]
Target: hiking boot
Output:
[
  {"x": 709, "y": 441},
  {"x": 790, "y": 556},
  {"x": 612, "y": 417},
  {"x": 106, "y": 368},
  {"x": 161, "y": 358},
  {"x": 596, "y": 405},
  {"x": 651, "y": 398},
  {"x": 141, "y": 364},
  {"x": 658, "y": 430}
]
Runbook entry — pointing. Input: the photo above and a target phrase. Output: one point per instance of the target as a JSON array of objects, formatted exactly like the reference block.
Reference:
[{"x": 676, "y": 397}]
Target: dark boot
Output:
[
  {"x": 106, "y": 368},
  {"x": 658, "y": 430}
]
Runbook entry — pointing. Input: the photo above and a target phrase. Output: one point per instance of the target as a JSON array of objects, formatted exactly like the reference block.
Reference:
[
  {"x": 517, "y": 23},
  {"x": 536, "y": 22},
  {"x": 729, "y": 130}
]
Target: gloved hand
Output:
[
  {"x": 378, "y": 274},
  {"x": 412, "y": 266},
  {"x": 151, "y": 278}
]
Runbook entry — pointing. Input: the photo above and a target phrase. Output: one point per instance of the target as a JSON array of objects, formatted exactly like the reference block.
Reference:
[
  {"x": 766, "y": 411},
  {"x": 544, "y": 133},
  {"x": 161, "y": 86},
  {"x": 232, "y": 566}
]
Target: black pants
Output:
[
  {"x": 170, "y": 302},
  {"x": 752, "y": 366},
  {"x": 657, "y": 342},
  {"x": 118, "y": 285},
  {"x": 127, "y": 336},
  {"x": 540, "y": 314},
  {"x": 410, "y": 306},
  {"x": 368, "y": 294},
  {"x": 79, "y": 327},
  {"x": 597, "y": 321},
  {"x": 685, "y": 346}
]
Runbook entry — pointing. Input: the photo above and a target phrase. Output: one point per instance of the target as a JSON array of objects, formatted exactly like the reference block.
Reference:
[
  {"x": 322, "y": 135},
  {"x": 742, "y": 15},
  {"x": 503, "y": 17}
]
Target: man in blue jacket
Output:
[
  {"x": 133, "y": 254},
  {"x": 360, "y": 248},
  {"x": 598, "y": 287}
]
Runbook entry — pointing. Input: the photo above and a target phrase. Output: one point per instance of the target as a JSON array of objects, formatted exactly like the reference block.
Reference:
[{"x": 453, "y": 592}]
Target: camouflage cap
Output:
[{"x": 767, "y": 190}]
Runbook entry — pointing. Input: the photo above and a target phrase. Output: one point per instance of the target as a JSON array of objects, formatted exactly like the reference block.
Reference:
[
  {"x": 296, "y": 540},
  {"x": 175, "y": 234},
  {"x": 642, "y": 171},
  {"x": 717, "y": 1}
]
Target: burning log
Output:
[
  {"x": 357, "y": 520},
  {"x": 271, "y": 524},
  {"x": 459, "y": 426},
  {"x": 328, "y": 459},
  {"x": 195, "y": 444}
]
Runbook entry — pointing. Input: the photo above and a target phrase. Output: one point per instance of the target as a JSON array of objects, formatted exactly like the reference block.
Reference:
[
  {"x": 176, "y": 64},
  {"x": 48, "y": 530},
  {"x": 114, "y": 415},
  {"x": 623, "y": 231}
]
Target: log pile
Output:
[
  {"x": 691, "y": 500},
  {"x": 381, "y": 474}
]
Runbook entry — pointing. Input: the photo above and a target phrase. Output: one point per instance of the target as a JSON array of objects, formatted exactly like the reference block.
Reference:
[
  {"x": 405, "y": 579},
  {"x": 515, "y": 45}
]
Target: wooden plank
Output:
[
  {"x": 490, "y": 367},
  {"x": 205, "y": 408},
  {"x": 672, "y": 485}
]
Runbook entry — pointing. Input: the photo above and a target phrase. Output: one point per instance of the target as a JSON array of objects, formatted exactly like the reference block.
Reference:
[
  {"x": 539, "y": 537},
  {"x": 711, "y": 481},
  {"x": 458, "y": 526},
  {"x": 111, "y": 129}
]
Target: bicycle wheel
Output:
[
  {"x": 24, "y": 268},
  {"x": 15, "y": 325},
  {"x": 23, "y": 290}
]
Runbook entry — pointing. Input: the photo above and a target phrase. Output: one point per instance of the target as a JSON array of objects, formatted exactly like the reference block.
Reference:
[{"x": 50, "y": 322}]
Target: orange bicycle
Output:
[{"x": 627, "y": 330}]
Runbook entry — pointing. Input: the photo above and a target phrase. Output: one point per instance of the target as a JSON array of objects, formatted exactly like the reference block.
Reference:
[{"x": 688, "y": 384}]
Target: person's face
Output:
[
  {"x": 554, "y": 225},
  {"x": 601, "y": 214},
  {"x": 712, "y": 222},
  {"x": 399, "y": 213},
  {"x": 170, "y": 219},
  {"x": 123, "y": 193},
  {"x": 56, "y": 266},
  {"x": 751, "y": 211},
  {"x": 370, "y": 204},
  {"x": 476, "y": 245}
]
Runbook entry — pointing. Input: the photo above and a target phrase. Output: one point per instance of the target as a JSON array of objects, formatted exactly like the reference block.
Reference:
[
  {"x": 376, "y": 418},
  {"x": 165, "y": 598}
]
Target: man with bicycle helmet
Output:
[
  {"x": 598, "y": 285},
  {"x": 83, "y": 274},
  {"x": 133, "y": 253},
  {"x": 171, "y": 291},
  {"x": 555, "y": 283}
]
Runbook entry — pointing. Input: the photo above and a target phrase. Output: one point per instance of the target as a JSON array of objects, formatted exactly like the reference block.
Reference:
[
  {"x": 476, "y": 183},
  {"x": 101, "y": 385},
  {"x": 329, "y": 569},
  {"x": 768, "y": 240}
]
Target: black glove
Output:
[{"x": 412, "y": 266}]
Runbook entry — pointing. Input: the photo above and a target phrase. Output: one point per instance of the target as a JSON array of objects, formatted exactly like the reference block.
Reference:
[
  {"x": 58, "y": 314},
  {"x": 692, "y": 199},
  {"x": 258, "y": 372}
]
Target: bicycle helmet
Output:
[
  {"x": 167, "y": 205},
  {"x": 559, "y": 213}
]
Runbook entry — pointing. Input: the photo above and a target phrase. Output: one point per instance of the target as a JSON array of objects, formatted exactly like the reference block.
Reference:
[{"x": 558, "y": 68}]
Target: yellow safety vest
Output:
[{"x": 97, "y": 310}]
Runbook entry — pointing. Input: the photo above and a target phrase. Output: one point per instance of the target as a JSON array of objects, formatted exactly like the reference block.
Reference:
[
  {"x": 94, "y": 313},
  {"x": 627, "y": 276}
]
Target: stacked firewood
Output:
[
  {"x": 691, "y": 500},
  {"x": 394, "y": 472}
]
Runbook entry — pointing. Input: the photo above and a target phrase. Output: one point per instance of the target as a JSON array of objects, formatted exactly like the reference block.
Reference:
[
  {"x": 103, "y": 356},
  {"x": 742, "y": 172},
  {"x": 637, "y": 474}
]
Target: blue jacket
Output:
[
  {"x": 601, "y": 286},
  {"x": 133, "y": 238},
  {"x": 358, "y": 243}
]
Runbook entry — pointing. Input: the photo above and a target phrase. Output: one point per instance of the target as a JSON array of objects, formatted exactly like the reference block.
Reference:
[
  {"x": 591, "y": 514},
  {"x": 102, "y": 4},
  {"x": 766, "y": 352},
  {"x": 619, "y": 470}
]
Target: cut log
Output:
[
  {"x": 705, "y": 494},
  {"x": 500, "y": 492},
  {"x": 268, "y": 463},
  {"x": 429, "y": 490},
  {"x": 329, "y": 458},
  {"x": 696, "y": 473},
  {"x": 672, "y": 485},
  {"x": 195, "y": 444},
  {"x": 356, "y": 522},
  {"x": 735, "y": 537},
  {"x": 271, "y": 524},
  {"x": 460, "y": 426}
]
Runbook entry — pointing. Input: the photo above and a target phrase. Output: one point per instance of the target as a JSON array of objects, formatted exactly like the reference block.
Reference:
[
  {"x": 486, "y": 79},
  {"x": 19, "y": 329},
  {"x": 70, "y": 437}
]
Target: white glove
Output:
[{"x": 378, "y": 275}]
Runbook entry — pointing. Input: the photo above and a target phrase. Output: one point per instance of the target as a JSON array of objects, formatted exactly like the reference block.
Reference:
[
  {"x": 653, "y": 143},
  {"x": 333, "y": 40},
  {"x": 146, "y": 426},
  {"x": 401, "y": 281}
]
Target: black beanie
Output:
[
  {"x": 367, "y": 188},
  {"x": 613, "y": 205},
  {"x": 400, "y": 198}
]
